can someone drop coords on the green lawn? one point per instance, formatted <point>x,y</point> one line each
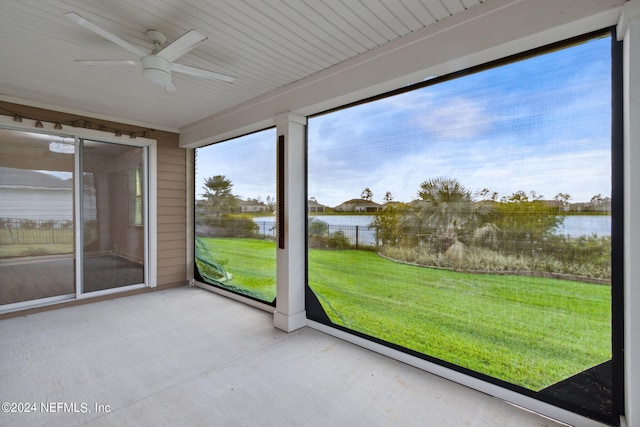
<point>251,262</point>
<point>528,331</point>
<point>12,251</point>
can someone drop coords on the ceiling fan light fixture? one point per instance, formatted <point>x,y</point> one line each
<point>156,69</point>
<point>158,65</point>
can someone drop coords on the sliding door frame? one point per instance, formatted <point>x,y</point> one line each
<point>149,147</point>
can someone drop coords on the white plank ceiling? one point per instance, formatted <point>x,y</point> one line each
<point>264,44</point>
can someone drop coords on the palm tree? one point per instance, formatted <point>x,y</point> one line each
<point>445,210</point>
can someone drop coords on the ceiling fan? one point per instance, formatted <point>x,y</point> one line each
<point>157,65</point>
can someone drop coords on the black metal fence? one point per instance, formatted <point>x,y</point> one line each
<point>343,236</point>
<point>266,229</point>
<point>331,236</point>
<point>16,231</point>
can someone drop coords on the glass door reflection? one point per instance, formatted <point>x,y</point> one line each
<point>113,222</point>
<point>36,216</point>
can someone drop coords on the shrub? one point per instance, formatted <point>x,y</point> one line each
<point>460,257</point>
<point>231,226</point>
<point>337,240</point>
<point>317,232</point>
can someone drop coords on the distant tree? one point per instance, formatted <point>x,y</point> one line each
<point>598,199</point>
<point>563,198</point>
<point>317,233</point>
<point>319,236</point>
<point>220,203</point>
<point>217,192</point>
<point>271,203</point>
<point>367,194</point>
<point>390,229</point>
<point>316,227</point>
<point>524,224</point>
<point>517,197</point>
<point>217,186</point>
<point>486,194</point>
<point>388,197</point>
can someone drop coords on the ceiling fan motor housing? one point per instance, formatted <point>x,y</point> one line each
<point>156,69</point>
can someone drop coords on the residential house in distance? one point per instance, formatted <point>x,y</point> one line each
<point>252,206</point>
<point>601,206</point>
<point>358,205</point>
<point>314,206</point>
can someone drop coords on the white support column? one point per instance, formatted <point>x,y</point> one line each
<point>290,305</point>
<point>629,31</point>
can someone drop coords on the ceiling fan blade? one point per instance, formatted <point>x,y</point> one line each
<point>92,62</point>
<point>199,72</point>
<point>182,45</point>
<point>169,87</point>
<point>104,33</point>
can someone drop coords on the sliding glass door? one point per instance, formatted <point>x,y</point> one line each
<point>72,217</point>
<point>112,215</point>
<point>36,216</point>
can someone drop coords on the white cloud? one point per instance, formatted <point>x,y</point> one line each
<point>456,118</point>
<point>499,165</point>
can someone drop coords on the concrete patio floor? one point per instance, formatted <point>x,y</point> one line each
<point>188,357</point>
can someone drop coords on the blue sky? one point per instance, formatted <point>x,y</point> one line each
<point>541,124</point>
<point>249,162</point>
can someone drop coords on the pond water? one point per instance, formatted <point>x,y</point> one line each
<point>573,225</point>
<point>585,225</point>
